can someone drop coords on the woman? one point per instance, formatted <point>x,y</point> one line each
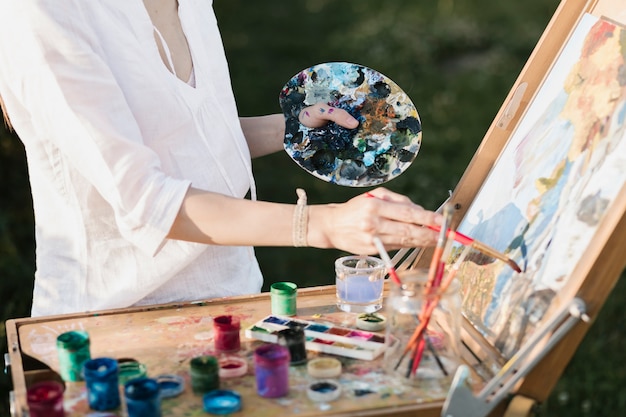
<point>139,164</point>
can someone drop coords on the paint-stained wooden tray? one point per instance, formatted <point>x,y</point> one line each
<point>166,337</point>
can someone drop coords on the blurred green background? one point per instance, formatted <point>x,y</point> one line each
<point>456,59</point>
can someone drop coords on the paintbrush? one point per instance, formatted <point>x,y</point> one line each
<point>479,246</point>
<point>468,241</point>
<point>385,257</point>
<point>437,268</point>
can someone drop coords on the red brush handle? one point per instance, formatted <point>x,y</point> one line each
<point>459,237</point>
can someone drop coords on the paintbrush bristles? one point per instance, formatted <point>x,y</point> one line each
<point>488,250</point>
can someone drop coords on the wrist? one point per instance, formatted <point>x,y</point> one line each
<point>318,225</point>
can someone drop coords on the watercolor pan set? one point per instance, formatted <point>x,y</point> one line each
<point>322,337</point>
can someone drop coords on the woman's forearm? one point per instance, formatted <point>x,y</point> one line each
<point>212,218</point>
<point>217,219</point>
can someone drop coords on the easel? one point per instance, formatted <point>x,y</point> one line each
<point>530,375</point>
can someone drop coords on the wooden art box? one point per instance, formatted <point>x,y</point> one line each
<point>546,187</point>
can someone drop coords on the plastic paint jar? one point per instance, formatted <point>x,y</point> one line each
<point>271,363</point>
<point>226,329</point>
<point>73,350</point>
<point>142,397</point>
<point>170,385</point>
<point>101,380</point>
<point>129,370</point>
<point>45,399</point>
<point>232,367</point>
<point>324,391</point>
<point>324,368</point>
<point>204,372</point>
<point>293,338</point>
<point>283,298</point>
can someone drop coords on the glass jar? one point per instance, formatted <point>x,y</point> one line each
<point>435,355</point>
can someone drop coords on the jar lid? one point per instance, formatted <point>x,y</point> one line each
<point>283,288</point>
<point>372,322</point>
<point>170,385</point>
<point>221,402</point>
<point>324,368</point>
<point>232,367</point>
<point>324,391</point>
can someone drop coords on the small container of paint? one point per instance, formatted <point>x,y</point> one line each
<point>130,369</point>
<point>221,402</point>
<point>232,367</point>
<point>101,380</point>
<point>73,351</point>
<point>226,330</point>
<point>142,398</point>
<point>324,368</point>
<point>324,391</point>
<point>45,399</point>
<point>283,298</point>
<point>170,385</point>
<point>204,372</point>
<point>293,338</point>
<point>271,369</point>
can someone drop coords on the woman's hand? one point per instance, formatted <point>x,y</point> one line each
<point>351,226</point>
<point>319,114</point>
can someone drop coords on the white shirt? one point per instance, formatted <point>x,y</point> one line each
<point>113,141</point>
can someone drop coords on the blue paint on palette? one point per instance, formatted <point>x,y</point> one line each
<point>317,328</point>
<point>275,320</point>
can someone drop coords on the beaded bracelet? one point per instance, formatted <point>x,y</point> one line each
<point>300,220</point>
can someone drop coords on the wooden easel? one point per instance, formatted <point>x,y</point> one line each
<point>597,273</point>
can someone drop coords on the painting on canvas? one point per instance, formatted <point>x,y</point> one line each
<point>550,187</point>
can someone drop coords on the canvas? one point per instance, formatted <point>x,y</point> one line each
<point>550,187</point>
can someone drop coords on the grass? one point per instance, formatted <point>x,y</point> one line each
<point>456,59</point>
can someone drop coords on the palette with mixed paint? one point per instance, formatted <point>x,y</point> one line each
<point>383,145</point>
<point>322,337</point>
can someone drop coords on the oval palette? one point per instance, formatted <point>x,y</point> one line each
<point>382,147</point>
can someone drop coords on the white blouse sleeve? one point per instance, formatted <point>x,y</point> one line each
<point>59,90</point>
